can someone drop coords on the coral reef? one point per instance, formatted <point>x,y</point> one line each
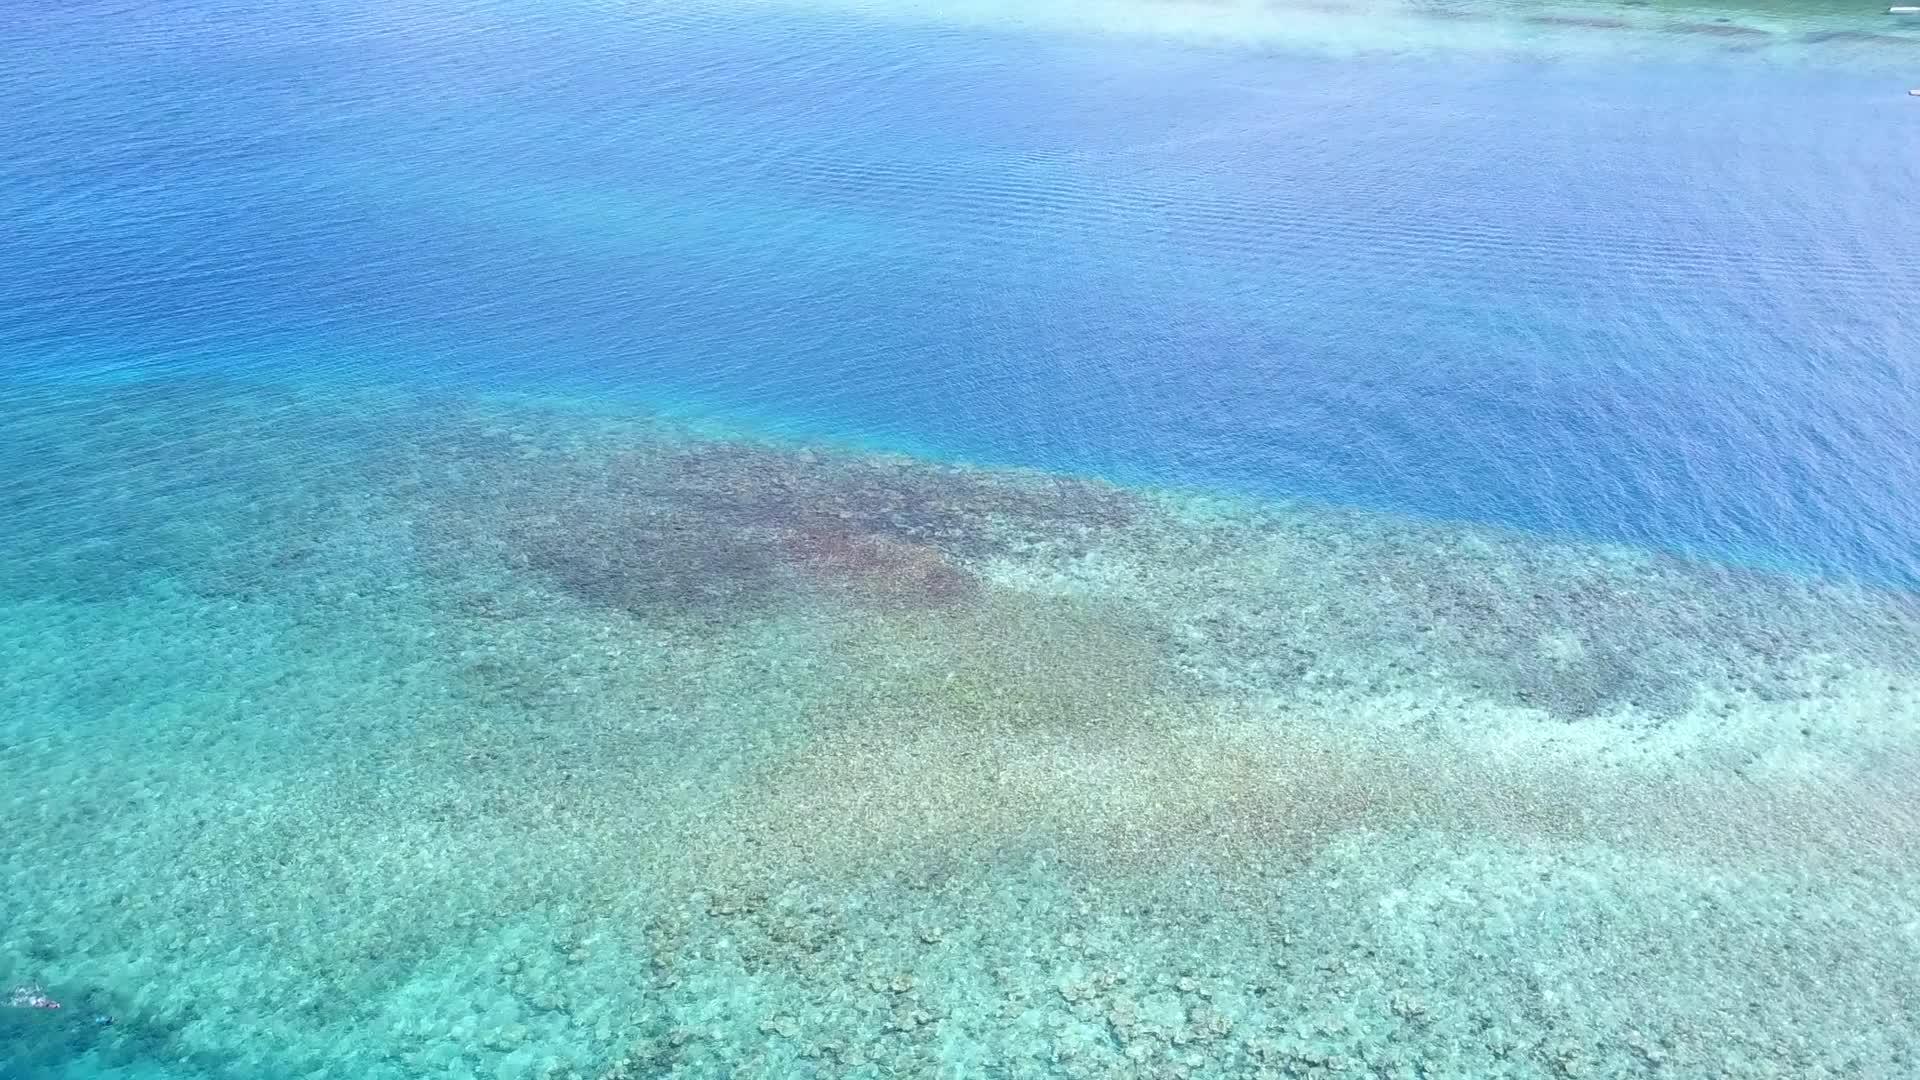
<point>652,563</point>
<point>1314,598</point>
<point>548,745</point>
<point>878,570</point>
<point>723,531</point>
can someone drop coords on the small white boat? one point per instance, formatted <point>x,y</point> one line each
<point>1903,11</point>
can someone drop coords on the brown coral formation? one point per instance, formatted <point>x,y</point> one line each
<point>877,570</point>
<point>644,563</point>
<point>721,531</point>
<point>966,513</point>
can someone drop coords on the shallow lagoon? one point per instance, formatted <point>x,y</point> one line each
<point>508,576</point>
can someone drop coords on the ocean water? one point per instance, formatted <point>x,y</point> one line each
<point>854,538</point>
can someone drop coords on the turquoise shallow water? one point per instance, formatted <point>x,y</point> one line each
<point>877,540</point>
<point>408,736</point>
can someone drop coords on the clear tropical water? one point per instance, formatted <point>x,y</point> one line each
<point>973,539</point>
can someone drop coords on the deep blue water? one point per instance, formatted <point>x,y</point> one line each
<point>1644,296</point>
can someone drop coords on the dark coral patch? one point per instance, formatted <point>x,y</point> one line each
<point>877,570</point>
<point>716,531</point>
<point>645,563</point>
<point>1859,37</point>
<point>1722,29</point>
<point>1588,22</point>
<point>964,512</point>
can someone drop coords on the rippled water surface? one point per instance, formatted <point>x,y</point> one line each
<point>980,540</point>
